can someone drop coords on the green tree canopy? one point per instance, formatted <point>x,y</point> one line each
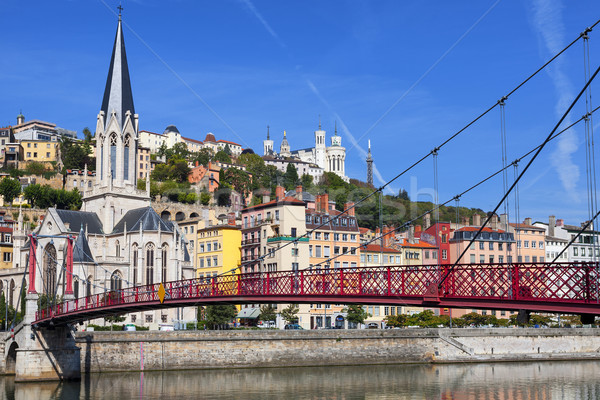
<point>223,157</point>
<point>76,155</point>
<point>267,313</point>
<point>237,179</point>
<point>219,315</point>
<point>290,313</point>
<point>10,189</point>
<point>356,314</point>
<point>290,178</point>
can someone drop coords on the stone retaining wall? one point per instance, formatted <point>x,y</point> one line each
<point>134,351</point>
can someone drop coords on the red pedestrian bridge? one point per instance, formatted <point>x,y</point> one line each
<point>570,288</point>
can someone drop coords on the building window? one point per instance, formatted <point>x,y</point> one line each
<point>472,258</point>
<point>6,256</point>
<point>149,318</point>
<point>526,244</point>
<point>481,246</point>
<point>491,245</point>
<point>164,260</point>
<point>150,263</point>
<point>115,282</point>
<point>444,254</point>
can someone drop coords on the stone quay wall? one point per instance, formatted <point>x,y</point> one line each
<point>154,350</point>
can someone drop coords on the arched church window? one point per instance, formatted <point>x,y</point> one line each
<point>126,147</point>
<point>49,269</point>
<point>338,166</point>
<point>113,155</point>
<point>135,263</point>
<point>88,286</point>
<point>150,263</point>
<point>165,259</point>
<point>116,282</point>
<point>76,288</point>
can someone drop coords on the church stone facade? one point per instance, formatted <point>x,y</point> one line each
<point>120,241</point>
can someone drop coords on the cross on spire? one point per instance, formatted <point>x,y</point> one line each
<point>120,8</point>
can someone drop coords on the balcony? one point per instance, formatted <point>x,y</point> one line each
<point>286,238</point>
<point>250,242</point>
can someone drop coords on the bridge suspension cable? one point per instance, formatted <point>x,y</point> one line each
<point>424,157</point>
<point>538,151</point>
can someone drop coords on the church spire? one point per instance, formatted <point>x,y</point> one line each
<point>118,96</point>
<point>369,166</point>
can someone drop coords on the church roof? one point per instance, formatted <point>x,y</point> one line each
<point>144,217</point>
<point>117,94</point>
<point>81,250</point>
<point>78,220</point>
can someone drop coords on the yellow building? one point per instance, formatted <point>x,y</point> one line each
<point>217,250</point>
<point>39,150</point>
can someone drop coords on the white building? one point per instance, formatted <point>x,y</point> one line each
<point>559,234</point>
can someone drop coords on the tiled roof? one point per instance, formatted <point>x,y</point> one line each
<point>192,140</point>
<point>287,200</point>
<point>376,248</point>
<point>420,245</point>
<point>525,226</point>
<point>78,220</point>
<point>476,228</point>
<point>144,217</point>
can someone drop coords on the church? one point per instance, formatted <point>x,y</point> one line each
<point>317,159</point>
<point>120,241</point>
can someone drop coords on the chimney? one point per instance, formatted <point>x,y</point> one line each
<point>197,163</point>
<point>504,222</point>
<point>325,203</point>
<point>551,225</point>
<point>411,234</point>
<point>527,221</point>
<point>476,219</point>
<point>465,221</point>
<point>279,193</point>
<point>350,207</point>
<point>560,222</point>
<point>427,221</point>
<point>377,235</point>
<point>266,198</point>
<point>231,219</point>
<point>299,192</point>
<point>494,222</point>
<point>418,228</point>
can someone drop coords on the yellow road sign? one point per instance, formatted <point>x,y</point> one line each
<point>161,293</point>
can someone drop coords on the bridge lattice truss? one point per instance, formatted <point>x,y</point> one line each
<point>542,287</point>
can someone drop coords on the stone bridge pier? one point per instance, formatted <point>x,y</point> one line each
<point>41,354</point>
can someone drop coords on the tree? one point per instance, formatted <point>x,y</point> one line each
<point>223,157</point>
<point>219,315</point>
<point>290,178</point>
<point>203,156</point>
<point>75,155</point>
<point>227,150</point>
<point>403,194</point>
<point>237,179</point>
<point>290,314</point>
<point>307,181</point>
<point>357,314</point>
<point>33,193</point>
<point>204,198</point>
<point>395,321</point>
<point>267,313</point>
<point>10,189</point>
<point>87,135</point>
<point>175,169</point>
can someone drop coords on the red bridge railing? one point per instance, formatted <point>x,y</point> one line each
<point>572,283</point>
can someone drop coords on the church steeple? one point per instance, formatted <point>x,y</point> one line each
<point>118,96</point>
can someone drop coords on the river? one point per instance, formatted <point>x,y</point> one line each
<point>514,381</point>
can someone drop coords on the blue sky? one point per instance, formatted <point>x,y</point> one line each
<point>404,74</point>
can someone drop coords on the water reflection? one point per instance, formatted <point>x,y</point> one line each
<point>514,381</point>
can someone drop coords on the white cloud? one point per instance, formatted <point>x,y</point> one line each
<point>547,21</point>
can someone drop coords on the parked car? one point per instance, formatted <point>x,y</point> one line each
<point>166,328</point>
<point>129,327</point>
<point>372,325</point>
<point>266,324</point>
<point>293,326</point>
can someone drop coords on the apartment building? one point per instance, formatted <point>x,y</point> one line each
<point>270,226</point>
<point>39,150</point>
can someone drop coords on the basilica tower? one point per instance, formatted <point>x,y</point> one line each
<point>320,148</point>
<point>336,157</point>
